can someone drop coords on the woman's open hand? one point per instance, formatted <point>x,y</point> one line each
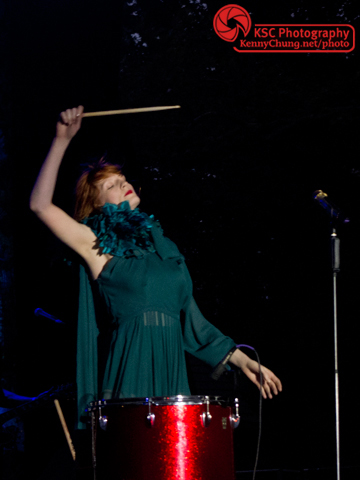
<point>271,384</point>
<point>69,123</point>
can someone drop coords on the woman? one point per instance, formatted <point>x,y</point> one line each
<point>143,281</point>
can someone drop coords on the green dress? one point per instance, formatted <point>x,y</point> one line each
<point>147,292</point>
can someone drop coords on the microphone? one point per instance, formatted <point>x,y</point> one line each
<point>221,367</point>
<point>333,210</point>
<point>39,312</point>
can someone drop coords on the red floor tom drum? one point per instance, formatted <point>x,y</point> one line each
<point>163,438</point>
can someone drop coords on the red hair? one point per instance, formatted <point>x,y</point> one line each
<point>87,190</point>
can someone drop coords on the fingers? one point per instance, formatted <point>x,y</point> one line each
<point>266,389</point>
<point>278,383</point>
<point>268,383</point>
<point>271,384</point>
<point>72,116</point>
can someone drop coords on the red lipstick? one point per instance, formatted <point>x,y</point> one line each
<point>128,192</point>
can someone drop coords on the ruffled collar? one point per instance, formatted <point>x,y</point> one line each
<point>122,231</point>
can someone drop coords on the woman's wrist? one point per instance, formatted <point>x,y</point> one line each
<point>239,359</point>
<point>61,141</point>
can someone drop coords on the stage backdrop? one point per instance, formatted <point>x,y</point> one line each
<point>231,177</point>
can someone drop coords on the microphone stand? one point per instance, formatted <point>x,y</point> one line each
<point>336,215</point>
<point>335,258</point>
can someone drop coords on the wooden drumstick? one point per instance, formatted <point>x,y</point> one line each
<point>66,431</point>
<point>128,110</point>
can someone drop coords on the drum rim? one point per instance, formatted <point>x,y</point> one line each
<point>171,400</point>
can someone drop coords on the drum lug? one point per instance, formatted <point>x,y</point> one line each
<point>103,419</point>
<point>103,422</point>
<point>206,416</point>
<point>150,416</point>
<point>151,419</point>
<point>235,417</point>
<point>206,419</point>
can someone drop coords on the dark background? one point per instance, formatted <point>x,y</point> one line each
<point>231,177</point>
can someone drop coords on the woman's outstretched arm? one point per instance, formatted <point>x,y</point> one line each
<point>75,235</point>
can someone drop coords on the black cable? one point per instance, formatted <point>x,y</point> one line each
<point>260,406</point>
<point>219,370</point>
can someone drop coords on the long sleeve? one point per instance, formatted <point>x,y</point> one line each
<point>201,338</point>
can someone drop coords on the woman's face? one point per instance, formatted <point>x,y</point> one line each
<point>115,189</point>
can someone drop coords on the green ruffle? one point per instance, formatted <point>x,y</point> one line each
<point>122,231</point>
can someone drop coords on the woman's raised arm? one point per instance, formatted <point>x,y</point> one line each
<point>75,235</point>
<point>68,125</point>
